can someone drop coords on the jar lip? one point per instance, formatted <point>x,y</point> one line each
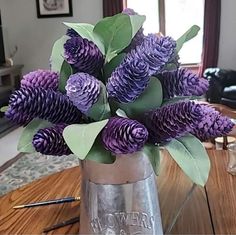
<point>230,139</point>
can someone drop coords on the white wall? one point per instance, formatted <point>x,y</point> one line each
<point>227,50</point>
<point>35,37</point>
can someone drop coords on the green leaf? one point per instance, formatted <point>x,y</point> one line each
<point>191,156</point>
<point>112,65</point>
<point>57,56</point>
<point>86,31</point>
<point>101,109</point>
<point>99,154</point>
<point>150,99</point>
<point>81,137</point>
<point>153,154</point>
<point>121,113</point>
<point>65,73</point>
<point>115,33</point>
<point>136,22</point>
<point>4,109</point>
<point>25,142</point>
<point>188,35</point>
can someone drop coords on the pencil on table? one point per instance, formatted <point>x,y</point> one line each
<point>49,202</point>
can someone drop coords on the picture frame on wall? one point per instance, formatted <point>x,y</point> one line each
<point>54,8</point>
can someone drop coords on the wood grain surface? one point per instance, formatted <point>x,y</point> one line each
<point>221,191</point>
<point>173,188</point>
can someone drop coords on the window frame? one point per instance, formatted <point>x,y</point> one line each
<point>162,27</point>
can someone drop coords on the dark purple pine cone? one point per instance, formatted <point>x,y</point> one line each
<point>72,33</point>
<point>128,81</point>
<point>83,90</point>
<point>49,141</point>
<point>212,125</point>
<point>123,135</point>
<point>131,77</point>
<point>183,83</point>
<point>84,55</point>
<point>172,121</point>
<point>139,36</point>
<point>29,103</point>
<point>41,78</point>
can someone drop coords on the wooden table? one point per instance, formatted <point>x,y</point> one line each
<point>209,210</point>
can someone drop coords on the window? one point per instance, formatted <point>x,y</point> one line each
<point>174,17</point>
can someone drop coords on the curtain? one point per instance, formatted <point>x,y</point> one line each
<point>112,7</point>
<point>211,34</point>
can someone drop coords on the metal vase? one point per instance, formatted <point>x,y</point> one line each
<point>120,198</point>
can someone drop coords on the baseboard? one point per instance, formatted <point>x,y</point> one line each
<point>10,162</point>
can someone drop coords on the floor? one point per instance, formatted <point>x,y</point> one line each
<point>8,145</point>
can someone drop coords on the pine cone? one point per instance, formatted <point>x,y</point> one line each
<point>128,81</point>
<point>49,141</point>
<point>212,125</point>
<point>131,77</point>
<point>123,135</point>
<point>83,90</point>
<point>41,78</point>
<point>183,83</point>
<point>84,55</point>
<point>72,33</point>
<point>172,121</point>
<point>29,103</point>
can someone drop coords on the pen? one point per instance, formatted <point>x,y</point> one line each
<point>49,202</point>
<point>61,224</point>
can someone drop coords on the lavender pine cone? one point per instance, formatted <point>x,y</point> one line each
<point>212,125</point>
<point>131,77</point>
<point>84,55</point>
<point>172,121</point>
<point>29,103</point>
<point>156,51</point>
<point>183,83</point>
<point>41,78</point>
<point>49,141</point>
<point>124,136</point>
<point>128,81</point>
<point>83,90</point>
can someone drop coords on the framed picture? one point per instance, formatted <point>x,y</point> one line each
<point>54,8</point>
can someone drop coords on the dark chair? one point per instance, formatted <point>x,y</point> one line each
<point>222,89</point>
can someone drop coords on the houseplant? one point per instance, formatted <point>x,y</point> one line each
<point>113,97</point>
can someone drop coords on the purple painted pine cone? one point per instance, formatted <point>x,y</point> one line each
<point>49,141</point>
<point>72,33</point>
<point>83,90</point>
<point>41,78</point>
<point>156,51</point>
<point>131,77</point>
<point>172,121</point>
<point>183,83</point>
<point>84,55</point>
<point>29,103</point>
<point>123,135</point>
<point>212,125</point>
<point>139,36</point>
<point>128,81</point>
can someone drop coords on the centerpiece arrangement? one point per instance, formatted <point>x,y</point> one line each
<point>114,97</point>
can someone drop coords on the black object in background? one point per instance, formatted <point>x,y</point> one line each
<point>2,52</point>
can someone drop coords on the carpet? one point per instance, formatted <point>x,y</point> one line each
<point>31,167</point>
